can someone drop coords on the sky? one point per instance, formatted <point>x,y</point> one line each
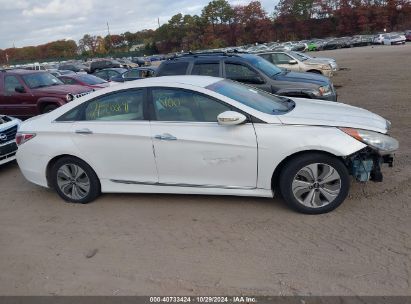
<point>34,22</point>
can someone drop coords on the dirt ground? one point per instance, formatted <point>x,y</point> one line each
<point>209,245</point>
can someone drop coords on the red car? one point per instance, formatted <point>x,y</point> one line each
<point>25,93</point>
<point>86,80</point>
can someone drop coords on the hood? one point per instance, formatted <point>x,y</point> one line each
<point>100,85</point>
<point>62,89</point>
<point>333,114</point>
<point>6,122</point>
<point>302,77</point>
<point>316,61</point>
<point>324,59</point>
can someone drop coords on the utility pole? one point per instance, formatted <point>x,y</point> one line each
<point>158,22</point>
<point>109,35</point>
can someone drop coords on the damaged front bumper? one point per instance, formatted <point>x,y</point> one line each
<point>365,165</point>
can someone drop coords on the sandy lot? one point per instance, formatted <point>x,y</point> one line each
<point>186,245</point>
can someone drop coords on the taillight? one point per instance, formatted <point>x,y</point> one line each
<point>21,138</point>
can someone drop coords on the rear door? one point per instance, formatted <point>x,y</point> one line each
<point>114,137</point>
<point>192,149</point>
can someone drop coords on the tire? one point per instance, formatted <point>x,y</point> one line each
<point>49,108</point>
<point>314,196</point>
<point>74,180</point>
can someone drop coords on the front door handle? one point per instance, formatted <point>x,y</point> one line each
<point>165,136</point>
<point>84,131</point>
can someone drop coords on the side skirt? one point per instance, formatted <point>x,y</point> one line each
<point>117,186</point>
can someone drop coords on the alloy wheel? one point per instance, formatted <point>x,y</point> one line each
<point>73,181</point>
<point>316,185</point>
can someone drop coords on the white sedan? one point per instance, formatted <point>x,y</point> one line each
<point>204,135</point>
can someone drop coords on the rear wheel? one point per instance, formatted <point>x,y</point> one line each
<point>74,180</point>
<point>314,183</point>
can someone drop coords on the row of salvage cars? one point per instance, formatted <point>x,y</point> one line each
<point>200,134</point>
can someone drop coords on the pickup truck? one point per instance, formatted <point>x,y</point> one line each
<point>25,93</point>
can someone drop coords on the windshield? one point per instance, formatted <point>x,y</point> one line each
<point>252,97</point>
<point>90,79</point>
<point>263,65</point>
<point>40,80</point>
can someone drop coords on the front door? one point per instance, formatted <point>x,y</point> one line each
<point>15,103</point>
<point>283,60</point>
<point>192,149</point>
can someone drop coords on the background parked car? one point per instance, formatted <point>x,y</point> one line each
<point>8,130</point>
<point>135,74</point>
<point>100,64</point>
<point>253,70</point>
<point>392,39</point>
<point>378,39</point>
<point>107,74</point>
<point>127,64</point>
<point>361,40</point>
<point>26,93</point>
<point>294,62</point>
<point>86,80</point>
<point>58,73</point>
<point>338,43</point>
<point>75,67</point>
<point>330,61</point>
<point>408,35</point>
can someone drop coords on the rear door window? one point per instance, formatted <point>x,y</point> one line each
<point>206,69</point>
<point>173,68</point>
<point>120,106</point>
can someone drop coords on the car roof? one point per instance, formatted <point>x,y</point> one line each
<point>113,69</point>
<point>193,80</point>
<point>23,71</point>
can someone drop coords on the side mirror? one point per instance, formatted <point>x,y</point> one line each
<point>292,62</point>
<point>20,89</point>
<point>231,118</point>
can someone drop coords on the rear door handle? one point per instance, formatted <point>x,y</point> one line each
<point>84,131</point>
<point>165,136</point>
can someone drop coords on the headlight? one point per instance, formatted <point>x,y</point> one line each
<point>388,124</point>
<point>323,91</point>
<point>69,97</point>
<point>384,144</point>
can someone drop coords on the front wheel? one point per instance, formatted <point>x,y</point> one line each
<point>74,180</point>
<point>314,183</point>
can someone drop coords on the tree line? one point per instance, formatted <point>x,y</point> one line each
<point>221,24</point>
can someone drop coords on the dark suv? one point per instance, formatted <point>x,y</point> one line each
<point>100,64</point>
<point>253,70</point>
<point>26,93</point>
